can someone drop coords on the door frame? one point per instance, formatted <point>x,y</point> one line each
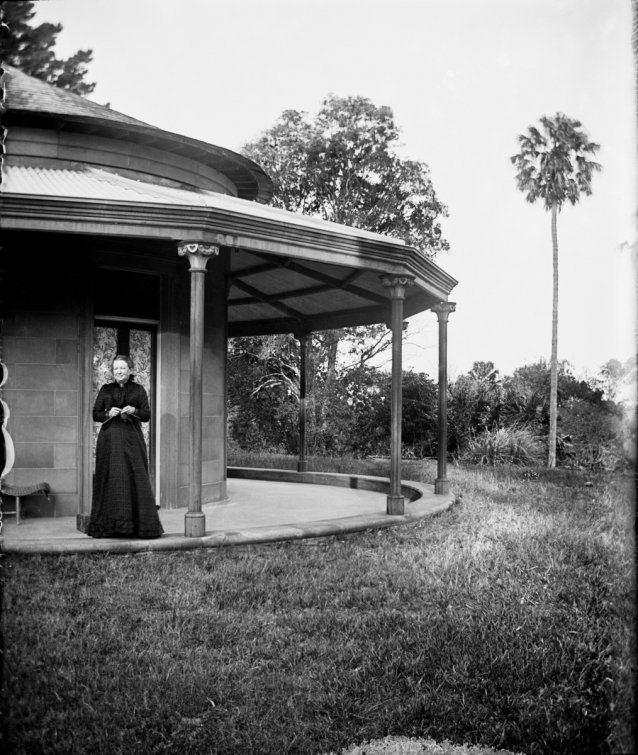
<point>151,326</point>
<point>91,270</point>
<point>85,451</point>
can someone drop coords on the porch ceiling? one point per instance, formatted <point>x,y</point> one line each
<point>287,272</point>
<point>273,294</point>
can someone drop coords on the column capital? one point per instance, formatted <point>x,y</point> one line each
<point>397,284</point>
<point>443,309</point>
<point>197,253</point>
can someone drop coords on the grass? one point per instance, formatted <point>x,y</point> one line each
<point>507,622</point>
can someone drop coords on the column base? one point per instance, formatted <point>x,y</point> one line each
<point>441,486</point>
<point>194,524</point>
<point>82,522</point>
<point>395,505</point>
<point>302,466</point>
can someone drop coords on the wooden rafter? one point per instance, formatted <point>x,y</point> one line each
<point>248,272</point>
<point>345,284</point>
<point>295,293</point>
<point>267,300</point>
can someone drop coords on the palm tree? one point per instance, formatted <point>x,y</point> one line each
<point>553,166</point>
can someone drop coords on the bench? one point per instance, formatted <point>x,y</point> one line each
<point>23,491</point>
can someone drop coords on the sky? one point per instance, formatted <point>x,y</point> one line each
<point>463,78</point>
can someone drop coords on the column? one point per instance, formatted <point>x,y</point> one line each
<point>442,310</point>
<point>305,341</point>
<point>198,255</point>
<point>396,285</point>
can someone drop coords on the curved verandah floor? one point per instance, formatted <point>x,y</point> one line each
<point>257,511</point>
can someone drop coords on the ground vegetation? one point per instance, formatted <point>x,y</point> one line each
<point>507,622</point>
<point>492,418</point>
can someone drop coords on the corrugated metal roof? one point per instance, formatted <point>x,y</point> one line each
<point>89,183</point>
<point>98,184</point>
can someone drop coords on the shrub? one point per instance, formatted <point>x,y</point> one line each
<point>506,445</point>
<point>597,434</point>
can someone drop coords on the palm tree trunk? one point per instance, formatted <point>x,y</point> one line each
<point>553,384</point>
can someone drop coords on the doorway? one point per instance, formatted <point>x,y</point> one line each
<point>127,305</point>
<point>138,341</point>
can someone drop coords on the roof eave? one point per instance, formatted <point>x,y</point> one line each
<point>223,228</point>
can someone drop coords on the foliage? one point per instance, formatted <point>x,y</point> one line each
<point>340,379</point>
<point>597,435</point>
<point>370,404</point>
<point>591,431</point>
<point>507,445</point>
<point>30,48</point>
<point>349,406</point>
<point>474,404</point>
<point>526,394</point>
<point>536,377</point>
<point>490,417</point>
<point>263,392</point>
<point>419,413</point>
<point>553,163</point>
<point>516,607</point>
<point>343,166</point>
<point>618,380</point>
<point>553,166</point>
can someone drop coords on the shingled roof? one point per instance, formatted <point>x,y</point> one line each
<point>28,94</point>
<point>34,103</point>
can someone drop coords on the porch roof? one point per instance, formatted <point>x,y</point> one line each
<point>288,272</point>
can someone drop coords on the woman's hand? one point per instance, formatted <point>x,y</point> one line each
<point>114,412</point>
<point>128,410</point>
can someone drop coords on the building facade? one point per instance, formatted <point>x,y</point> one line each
<point>118,237</point>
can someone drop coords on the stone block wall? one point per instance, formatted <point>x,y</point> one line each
<point>43,287</point>
<point>41,352</point>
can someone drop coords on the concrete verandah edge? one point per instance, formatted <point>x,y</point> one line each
<point>425,505</point>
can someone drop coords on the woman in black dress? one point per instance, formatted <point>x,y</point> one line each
<point>123,501</point>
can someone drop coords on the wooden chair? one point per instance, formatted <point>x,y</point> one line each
<point>18,492</point>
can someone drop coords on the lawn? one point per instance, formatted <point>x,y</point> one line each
<point>506,622</point>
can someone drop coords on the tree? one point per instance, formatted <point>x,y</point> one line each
<point>612,375</point>
<point>537,378</point>
<point>263,387</point>
<point>553,165</point>
<point>30,48</point>
<point>263,393</point>
<point>343,166</point>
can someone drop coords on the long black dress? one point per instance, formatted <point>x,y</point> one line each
<point>123,501</point>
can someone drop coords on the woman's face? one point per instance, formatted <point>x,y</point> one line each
<point>121,371</point>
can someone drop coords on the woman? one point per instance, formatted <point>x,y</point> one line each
<point>123,501</point>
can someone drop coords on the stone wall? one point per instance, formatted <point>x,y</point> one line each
<point>41,348</point>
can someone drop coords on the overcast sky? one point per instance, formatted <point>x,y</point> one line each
<point>463,78</point>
